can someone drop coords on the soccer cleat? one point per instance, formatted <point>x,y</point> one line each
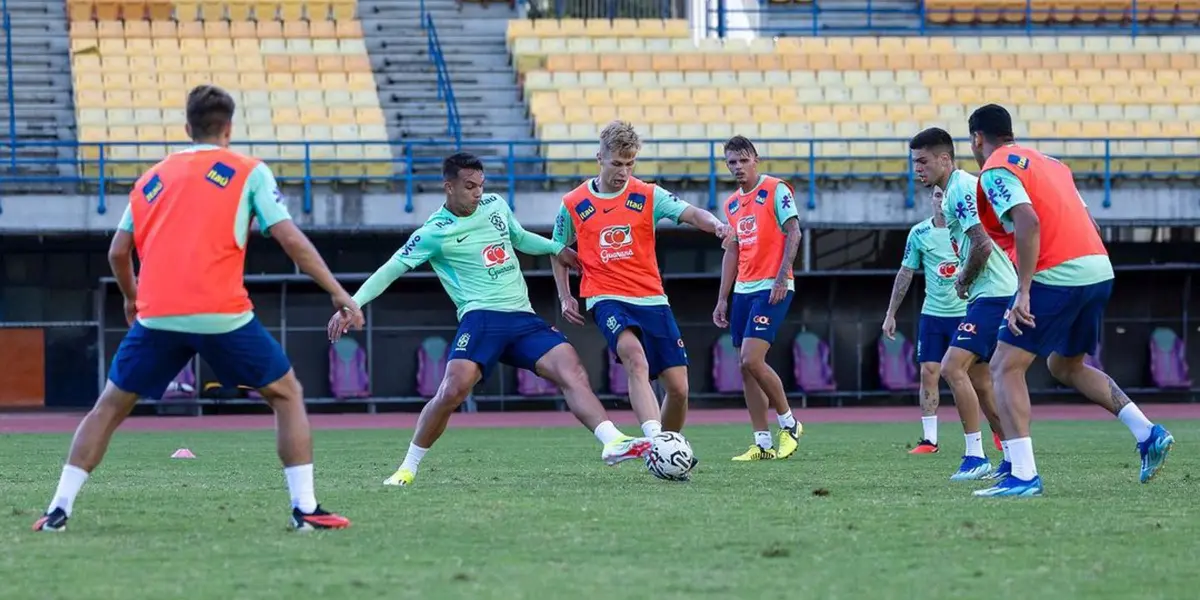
<point>756,452</point>
<point>997,441</point>
<point>1004,469</point>
<point>1154,452</point>
<point>925,447</point>
<point>1011,486</point>
<point>789,440</point>
<point>623,449</point>
<point>318,519</point>
<point>972,468</point>
<point>402,476</point>
<point>55,520</point>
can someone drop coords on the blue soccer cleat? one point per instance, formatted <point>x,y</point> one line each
<point>1004,469</point>
<point>972,468</point>
<point>1154,451</point>
<point>1012,486</point>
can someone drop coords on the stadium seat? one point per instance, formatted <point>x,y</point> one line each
<point>348,376</point>
<point>578,75</point>
<point>727,366</point>
<point>530,384</point>
<point>431,365</point>
<point>618,379</point>
<point>897,367</point>
<point>1168,360</point>
<point>277,58</point>
<point>812,364</point>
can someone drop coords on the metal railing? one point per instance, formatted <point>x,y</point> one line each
<point>8,67</point>
<point>606,9</point>
<point>1033,18</point>
<point>445,89</point>
<point>523,165</point>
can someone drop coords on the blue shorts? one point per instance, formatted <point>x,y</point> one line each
<point>1068,319</point>
<point>753,316</point>
<point>519,339</point>
<point>654,325</point>
<point>149,359</point>
<point>933,337</point>
<point>978,330</point>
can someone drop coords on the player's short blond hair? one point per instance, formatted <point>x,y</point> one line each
<point>619,138</point>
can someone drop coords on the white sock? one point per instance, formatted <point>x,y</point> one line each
<point>1004,445</point>
<point>929,424</point>
<point>69,483</point>
<point>412,460</point>
<point>786,420</point>
<point>763,439</point>
<point>1023,466</point>
<point>605,432</point>
<point>975,444</point>
<point>651,428</point>
<point>300,485</point>
<point>1137,423</point>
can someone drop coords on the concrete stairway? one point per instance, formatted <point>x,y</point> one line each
<point>42,101</point>
<point>472,42</point>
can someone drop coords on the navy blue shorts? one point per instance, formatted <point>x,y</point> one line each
<point>1068,319</point>
<point>654,325</point>
<point>933,337</point>
<point>753,316</point>
<point>515,338</point>
<point>148,359</point>
<point>978,330</point>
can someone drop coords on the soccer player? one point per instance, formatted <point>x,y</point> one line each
<point>760,259</point>
<point>986,279</point>
<point>928,248</point>
<point>469,242</point>
<point>188,219</point>
<point>613,218</point>
<point>1064,279</point>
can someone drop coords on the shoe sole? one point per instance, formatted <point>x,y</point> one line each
<point>638,450</point>
<point>969,476</point>
<point>1161,465</point>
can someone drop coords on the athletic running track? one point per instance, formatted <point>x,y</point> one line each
<point>66,422</point>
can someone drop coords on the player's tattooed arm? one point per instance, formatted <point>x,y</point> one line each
<point>791,245</point>
<point>904,279</point>
<point>977,258</point>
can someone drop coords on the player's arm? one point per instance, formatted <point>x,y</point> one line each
<point>908,266</point>
<point>981,243</point>
<point>669,206</point>
<point>564,234</point>
<point>420,247</point>
<point>1012,203</point>
<point>527,241</point>
<point>120,259</point>
<point>789,222</point>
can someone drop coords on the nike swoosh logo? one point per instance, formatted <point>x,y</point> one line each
<point>459,240</point>
<point>760,328</point>
<point>608,210</point>
<point>962,339</point>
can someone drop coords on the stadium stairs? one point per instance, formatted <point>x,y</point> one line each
<point>42,94</point>
<point>472,38</point>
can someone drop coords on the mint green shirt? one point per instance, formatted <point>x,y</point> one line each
<point>928,248</point>
<point>998,277</point>
<point>472,256</point>
<point>666,206</point>
<point>261,199</point>
<point>785,209</point>
<point>1004,190</point>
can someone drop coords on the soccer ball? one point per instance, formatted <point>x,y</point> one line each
<point>670,457</point>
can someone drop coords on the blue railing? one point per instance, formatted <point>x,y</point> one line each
<point>615,9</point>
<point>519,165</point>
<point>445,89</point>
<point>925,18</point>
<point>8,66</point>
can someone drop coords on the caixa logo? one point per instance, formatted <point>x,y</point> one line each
<point>947,269</point>
<point>494,255</point>
<point>616,243</point>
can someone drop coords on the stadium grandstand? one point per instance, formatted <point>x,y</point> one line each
<point>353,103</point>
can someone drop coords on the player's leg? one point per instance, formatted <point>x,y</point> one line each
<point>981,380</point>
<point>667,361</point>
<point>621,330</point>
<point>757,403</point>
<point>143,366</point>
<point>1067,365</point>
<point>765,320</point>
<point>250,356</point>
<point>956,368</point>
<point>933,339</point>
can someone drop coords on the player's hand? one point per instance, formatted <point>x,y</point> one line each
<point>348,315</point>
<point>720,314</point>
<point>130,311</point>
<point>569,259</point>
<point>723,231</point>
<point>1020,314</point>
<point>570,311</point>
<point>778,291</point>
<point>889,327</point>
<point>961,288</point>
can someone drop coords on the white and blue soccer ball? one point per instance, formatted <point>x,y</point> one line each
<point>670,457</point>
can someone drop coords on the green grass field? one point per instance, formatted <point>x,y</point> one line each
<point>512,513</point>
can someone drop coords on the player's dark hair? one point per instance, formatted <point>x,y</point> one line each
<point>462,161</point>
<point>993,121</point>
<point>934,139</point>
<point>739,144</point>
<point>209,110</point>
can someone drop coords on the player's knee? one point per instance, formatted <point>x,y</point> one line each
<point>452,393</point>
<point>751,363</point>
<point>573,377</point>
<point>930,373</point>
<point>677,387</point>
<point>287,389</point>
<point>636,365</point>
<point>1063,369</point>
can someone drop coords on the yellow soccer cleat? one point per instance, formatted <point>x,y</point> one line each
<point>400,477</point>
<point>756,452</point>
<point>789,440</point>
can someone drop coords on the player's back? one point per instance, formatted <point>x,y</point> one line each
<point>1067,232</point>
<point>190,226</point>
